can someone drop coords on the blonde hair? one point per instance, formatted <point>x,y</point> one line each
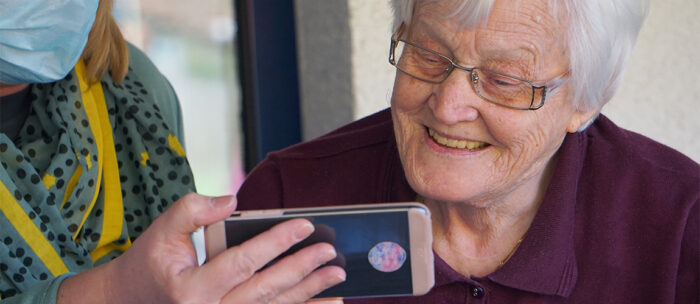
<point>106,48</point>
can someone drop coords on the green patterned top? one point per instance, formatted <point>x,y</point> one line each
<point>52,178</point>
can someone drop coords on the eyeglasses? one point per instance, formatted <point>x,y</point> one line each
<point>495,87</point>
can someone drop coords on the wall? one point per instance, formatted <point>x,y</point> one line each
<point>660,95</point>
<point>324,51</point>
<point>658,98</point>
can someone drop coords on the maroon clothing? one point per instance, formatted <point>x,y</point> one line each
<point>619,223</point>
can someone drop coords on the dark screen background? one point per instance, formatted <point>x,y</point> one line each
<point>353,235</point>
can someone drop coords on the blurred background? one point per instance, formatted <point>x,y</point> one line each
<point>192,44</point>
<point>257,75</point>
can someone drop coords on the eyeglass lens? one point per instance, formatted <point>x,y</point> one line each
<point>497,88</point>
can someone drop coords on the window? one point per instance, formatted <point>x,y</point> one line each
<point>192,44</point>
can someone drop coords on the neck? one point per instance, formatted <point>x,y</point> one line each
<point>9,89</point>
<point>476,240</point>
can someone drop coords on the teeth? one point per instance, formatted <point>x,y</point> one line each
<point>455,143</point>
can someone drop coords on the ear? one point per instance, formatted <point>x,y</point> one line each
<point>581,119</point>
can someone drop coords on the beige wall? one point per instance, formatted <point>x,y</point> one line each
<point>660,96</point>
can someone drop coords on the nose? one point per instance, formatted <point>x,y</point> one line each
<point>454,100</point>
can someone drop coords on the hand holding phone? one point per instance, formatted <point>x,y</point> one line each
<point>385,249</point>
<point>160,266</point>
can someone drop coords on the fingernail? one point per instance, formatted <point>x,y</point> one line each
<point>327,256</point>
<point>222,202</point>
<point>341,277</point>
<point>303,231</point>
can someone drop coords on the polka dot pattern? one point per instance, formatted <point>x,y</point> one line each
<point>51,169</point>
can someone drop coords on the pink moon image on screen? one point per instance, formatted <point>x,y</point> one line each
<point>387,256</point>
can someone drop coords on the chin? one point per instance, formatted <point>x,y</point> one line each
<point>446,186</point>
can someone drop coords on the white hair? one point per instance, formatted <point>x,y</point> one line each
<point>600,36</point>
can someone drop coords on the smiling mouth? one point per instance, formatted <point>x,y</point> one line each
<point>456,143</point>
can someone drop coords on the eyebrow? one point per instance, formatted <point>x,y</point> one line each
<point>525,57</point>
<point>522,58</point>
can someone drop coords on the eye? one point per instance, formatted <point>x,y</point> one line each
<point>501,87</point>
<point>422,63</point>
<point>502,80</point>
<point>430,58</point>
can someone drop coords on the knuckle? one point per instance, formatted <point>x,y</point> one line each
<point>306,293</point>
<point>297,296</point>
<point>301,274</point>
<point>276,301</point>
<point>283,299</point>
<point>304,269</point>
<point>265,293</point>
<point>189,201</point>
<point>175,294</point>
<point>191,196</point>
<point>244,263</point>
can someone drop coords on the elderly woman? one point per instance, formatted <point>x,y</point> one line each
<point>494,124</point>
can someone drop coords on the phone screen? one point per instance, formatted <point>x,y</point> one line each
<point>373,248</point>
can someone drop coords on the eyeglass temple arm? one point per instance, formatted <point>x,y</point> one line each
<point>548,89</point>
<point>399,31</point>
<point>394,42</point>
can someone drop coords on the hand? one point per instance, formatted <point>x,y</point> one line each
<point>161,265</point>
<point>325,301</point>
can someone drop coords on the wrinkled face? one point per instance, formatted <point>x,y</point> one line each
<point>457,147</point>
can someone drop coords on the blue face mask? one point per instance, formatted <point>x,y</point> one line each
<point>42,40</point>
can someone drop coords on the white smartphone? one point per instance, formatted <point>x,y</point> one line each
<point>385,249</point>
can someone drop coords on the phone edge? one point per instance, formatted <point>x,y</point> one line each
<point>422,261</point>
<point>198,243</point>
<point>215,238</point>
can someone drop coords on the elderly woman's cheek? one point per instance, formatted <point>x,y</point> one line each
<point>410,140</point>
<point>409,94</point>
<point>407,137</point>
<point>524,157</point>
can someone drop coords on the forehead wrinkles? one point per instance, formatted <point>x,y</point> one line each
<point>518,31</point>
<point>523,28</point>
<point>434,14</point>
<point>521,18</point>
<point>525,21</point>
<point>436,22</point>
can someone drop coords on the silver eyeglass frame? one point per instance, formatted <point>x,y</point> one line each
<point>548,89</point>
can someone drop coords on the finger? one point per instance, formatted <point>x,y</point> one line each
<point>312,285</point>
<point>194,210</point>
<point>237,264</point>
<point>325,301</point>
<point>284,274</point>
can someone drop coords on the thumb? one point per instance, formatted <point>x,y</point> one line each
<point>194,210</point>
